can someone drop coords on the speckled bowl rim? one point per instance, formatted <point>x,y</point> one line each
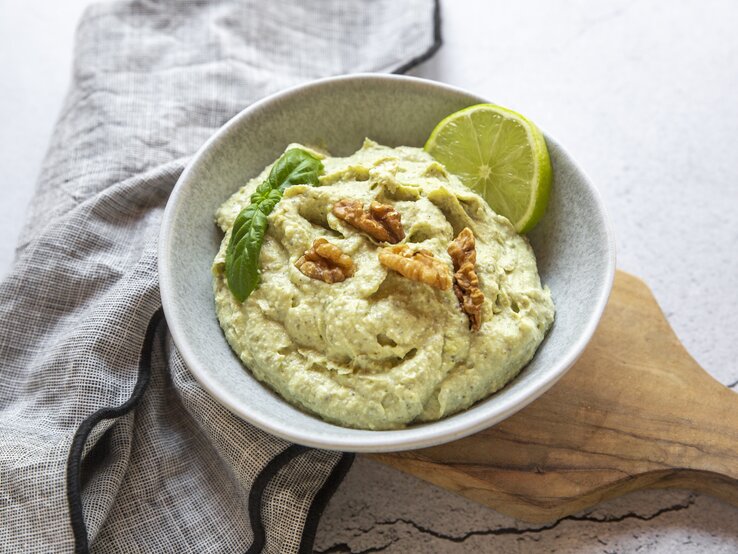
<point>463,424</point>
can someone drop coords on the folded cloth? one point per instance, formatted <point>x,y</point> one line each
<point>106,441</point>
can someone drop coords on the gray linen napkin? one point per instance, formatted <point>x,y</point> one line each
<point>106,441</point>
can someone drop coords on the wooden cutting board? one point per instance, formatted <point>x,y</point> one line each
<point>636,411</point>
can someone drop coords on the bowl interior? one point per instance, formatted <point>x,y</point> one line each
<point>572,244</point>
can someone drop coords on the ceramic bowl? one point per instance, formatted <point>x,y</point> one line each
<point>573,244</point>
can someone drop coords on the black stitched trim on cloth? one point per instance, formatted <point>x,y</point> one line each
<point>437,42</point>
<point>257,491</point>
<point>74,461</point>
<point>321,501</point>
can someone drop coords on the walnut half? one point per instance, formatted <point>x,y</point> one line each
<point>381,222</point>
<point>466,283</point>
<point>325,262</point>
<point>421,266</point>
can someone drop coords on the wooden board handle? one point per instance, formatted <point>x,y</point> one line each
<point>635,411</point>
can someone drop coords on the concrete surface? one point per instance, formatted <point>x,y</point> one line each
<point>644,95</point>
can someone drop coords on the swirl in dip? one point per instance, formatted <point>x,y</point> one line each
<point>378,350</point>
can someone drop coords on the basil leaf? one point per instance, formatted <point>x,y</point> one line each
<point>296,166</point>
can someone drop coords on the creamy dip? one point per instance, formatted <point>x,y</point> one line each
<point>379,351</point>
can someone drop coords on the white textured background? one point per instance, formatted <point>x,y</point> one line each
<point>645,96</point>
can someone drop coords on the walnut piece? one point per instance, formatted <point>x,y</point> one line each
<point>325,262</point>
<point>382,222</point>
<point>466,283</point>
<point>420,266</point>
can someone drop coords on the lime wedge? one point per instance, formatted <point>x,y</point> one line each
<point>499,154</point>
